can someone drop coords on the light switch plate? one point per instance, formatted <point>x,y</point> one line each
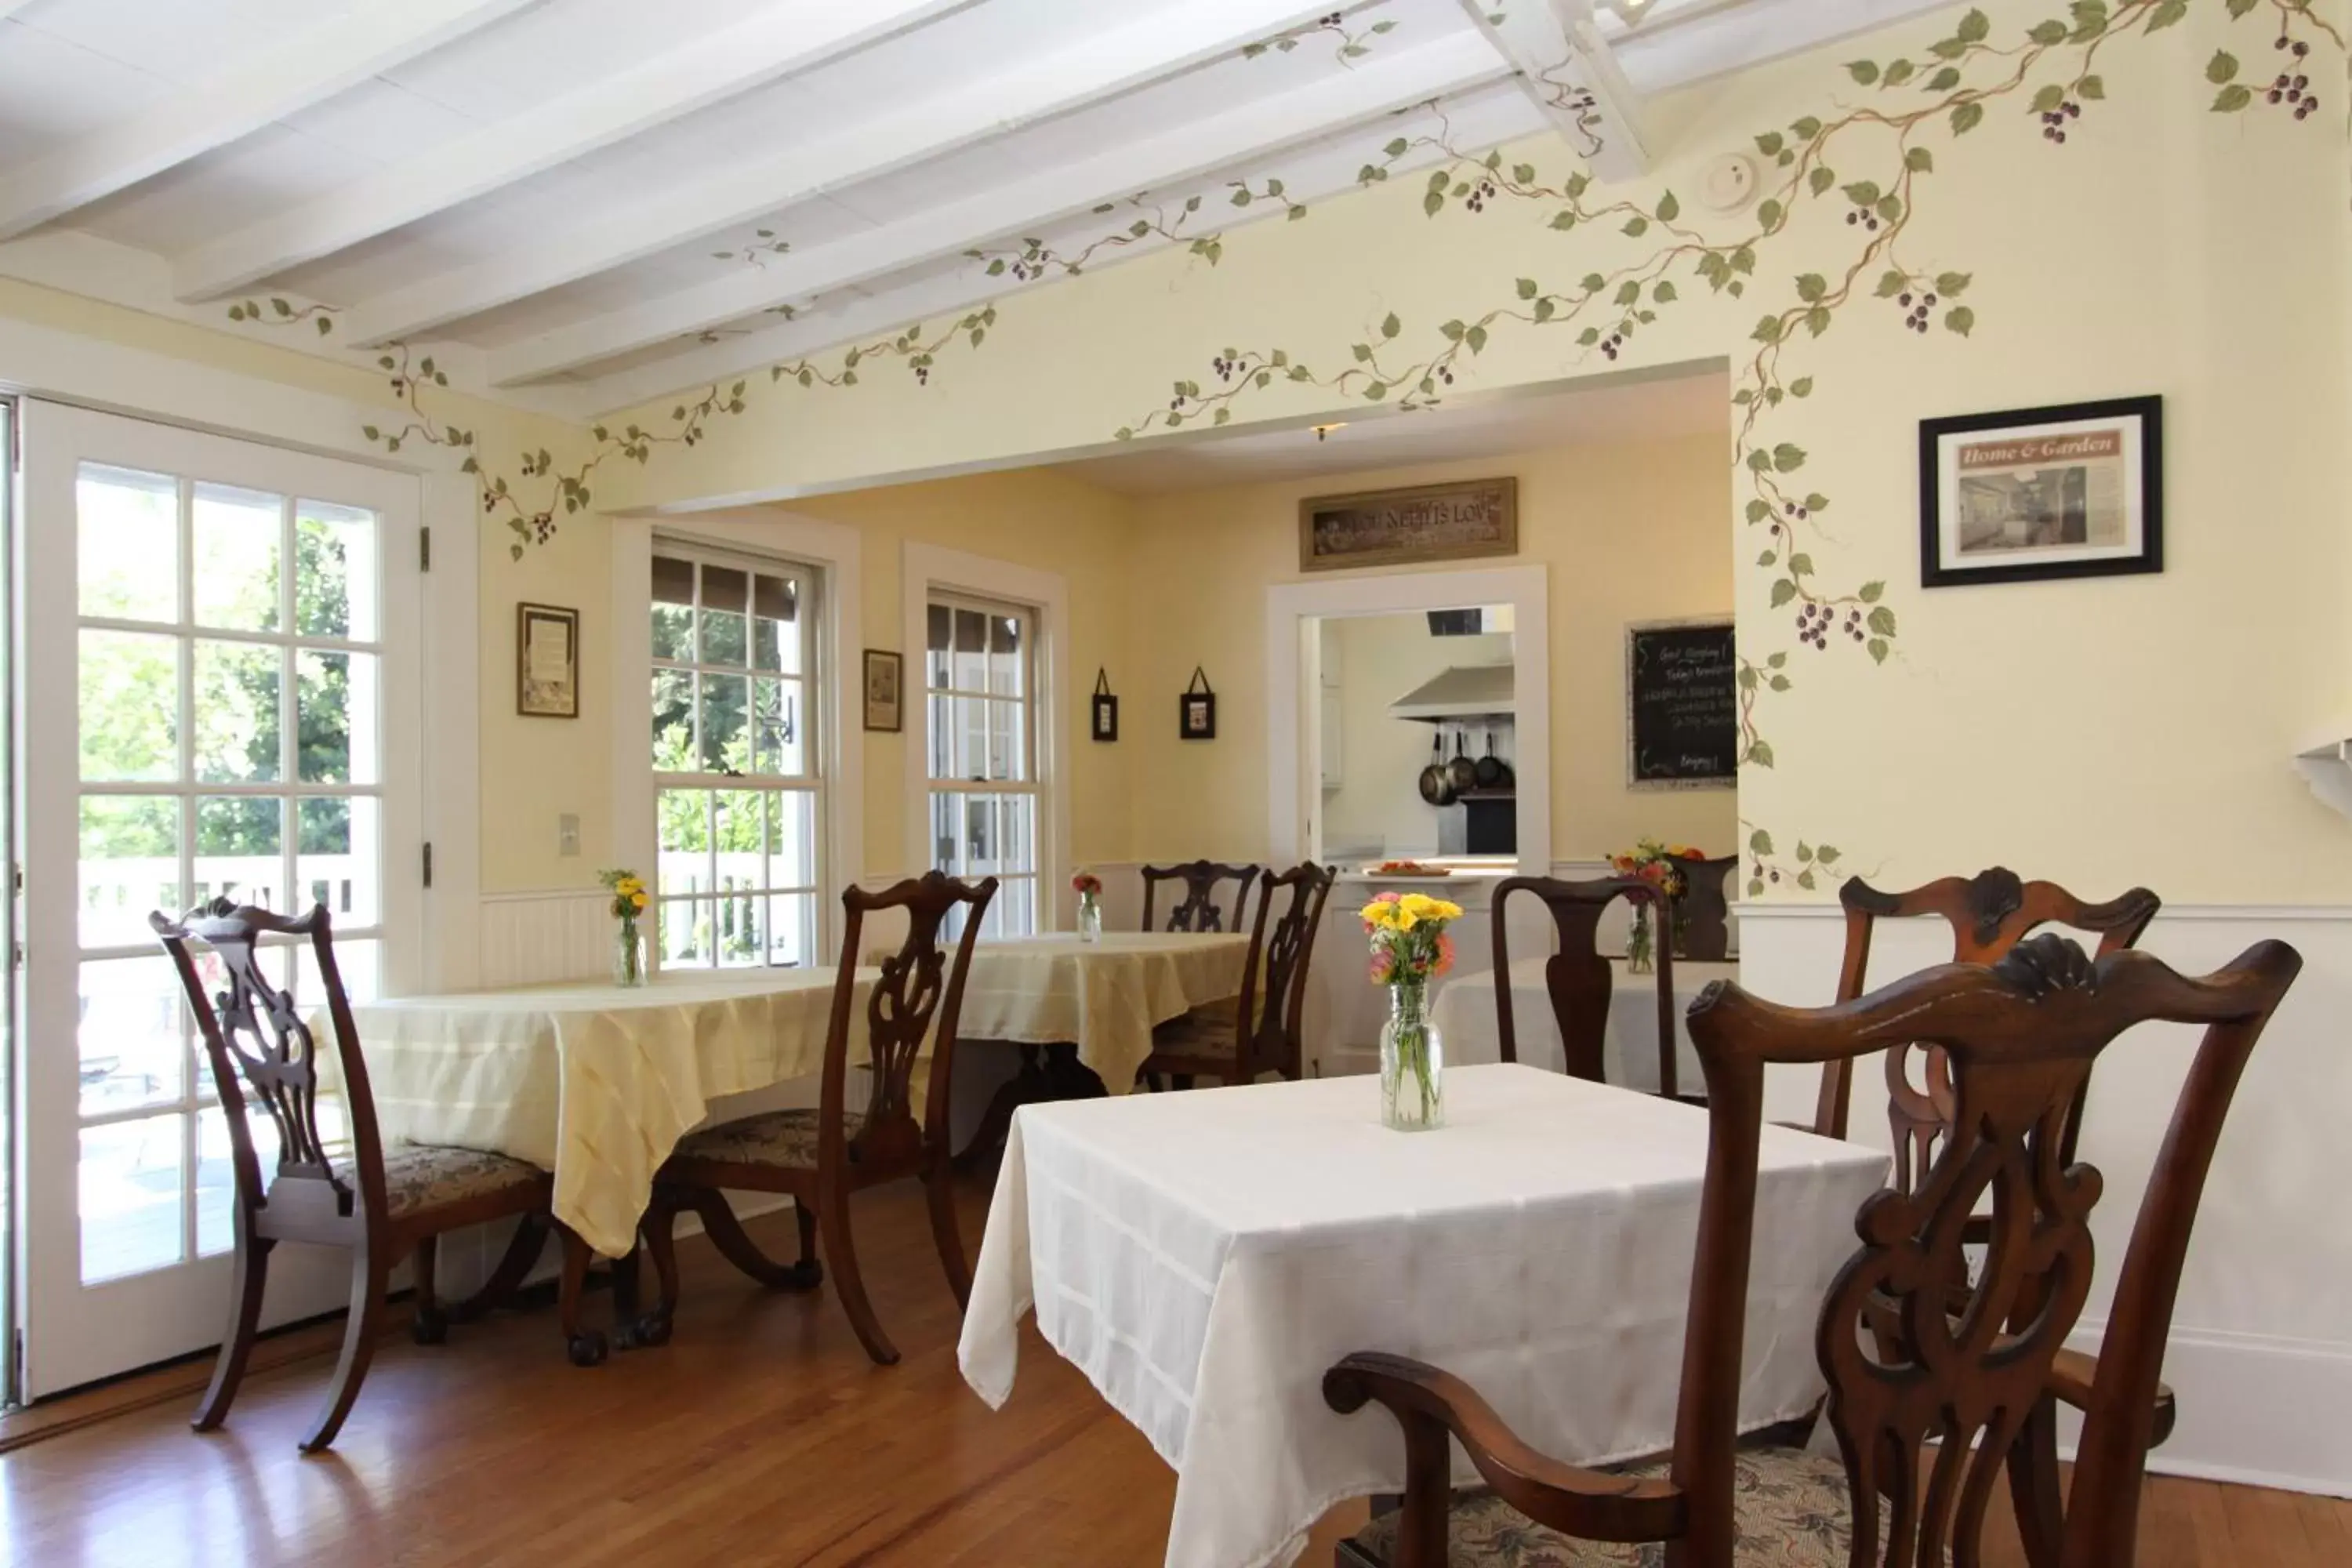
<point>567,833</point>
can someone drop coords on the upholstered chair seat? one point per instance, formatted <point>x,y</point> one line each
<point>783,1139</point>
<point>420,1176</point>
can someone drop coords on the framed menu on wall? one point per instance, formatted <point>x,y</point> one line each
<point>1682,706</point>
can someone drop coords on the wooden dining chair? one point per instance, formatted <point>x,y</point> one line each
<point>820,1157</point>
<point>1701,921</point>
<point>1260,1030</point>
<point>1903,1362</point>
<point>384,1205</point>
<point>1197,910</point>
<point>1578,977</point>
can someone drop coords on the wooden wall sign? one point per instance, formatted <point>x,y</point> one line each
<point>1106,709</point>
<point>1682,706</point>
<point>1196,709</point>
<point>1428,522</point>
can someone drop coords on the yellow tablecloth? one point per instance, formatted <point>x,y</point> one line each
<point>593,1082</point>
<point>1101,996</point>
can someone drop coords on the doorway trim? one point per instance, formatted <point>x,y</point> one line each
<point>1290,605</point>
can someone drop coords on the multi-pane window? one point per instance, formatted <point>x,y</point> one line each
<point>980,687</point>
<point>230,681</point>
<point>737,789</point>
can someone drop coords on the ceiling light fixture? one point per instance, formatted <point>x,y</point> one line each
<point>1630,11</point>
<point>1322,431</point>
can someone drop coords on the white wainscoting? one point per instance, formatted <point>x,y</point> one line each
<point>535,939</point>
<point>2260,1353</point>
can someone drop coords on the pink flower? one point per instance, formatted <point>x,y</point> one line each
<point>1444,953</point>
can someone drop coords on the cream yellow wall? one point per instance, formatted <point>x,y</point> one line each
<point>1627,531</point>
<point>531,768</point>
<point>1046,520</point>
<point>2105,732</point>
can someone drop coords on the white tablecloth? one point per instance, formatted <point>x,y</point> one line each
<point>1101,996</point>
<point>1465,1016</point>
<point>593,1082</point>
<point>1204,1256</point>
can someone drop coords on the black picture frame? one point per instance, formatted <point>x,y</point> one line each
<point>547,661</point>
<point>1103,725</point>
<point>1196,709</point>
<point>2138,421</point>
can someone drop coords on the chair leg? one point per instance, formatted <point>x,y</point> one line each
<point>369,1273</point>
<point>841,1251</point>
<point>429,1325</point>
<point>938,1186</point>
<point>805,1220</point>
<point>660,1243</point>
<point>726,1234</point>
<point>587,1347</point>
<point>521,1255</point>
<point>2033,1488</point>
<point>244,1317</point>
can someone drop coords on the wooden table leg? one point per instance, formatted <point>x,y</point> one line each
<point>1030,1086</point>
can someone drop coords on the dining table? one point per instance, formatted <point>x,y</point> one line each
<point>1465,1016</point>
<point>1204,1258</point>
<point>595,1082</point>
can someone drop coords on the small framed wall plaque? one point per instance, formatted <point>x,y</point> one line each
<point>1457,521</point>
<point>547,662</point>
<point>1106,709</point>
<point>885,697</point>
<point>2071,491</point>
<point>1196,709</point>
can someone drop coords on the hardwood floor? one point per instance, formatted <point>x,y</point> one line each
<point>760,1435</point>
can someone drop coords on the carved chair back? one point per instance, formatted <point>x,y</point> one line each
<point>1197,910</point>
<point>1578,977</point>
<point>1989,913</point>
<point>1279,957</point>
<point>1702,917</point>
<point>263,1052</point>
<point>919,996</point>
<point>1910,1347</point>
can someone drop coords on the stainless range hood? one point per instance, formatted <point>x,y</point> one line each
<point>1461,692</point>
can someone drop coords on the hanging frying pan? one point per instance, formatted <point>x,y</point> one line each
<point>1464,772</point>
<point>1437,780</point>
<point>1493,772</point>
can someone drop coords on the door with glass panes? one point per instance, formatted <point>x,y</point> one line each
<point>218,697</point>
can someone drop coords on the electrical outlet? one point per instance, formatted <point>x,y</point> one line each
<point>567,833</point>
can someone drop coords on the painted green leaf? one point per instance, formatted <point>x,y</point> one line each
<point>1768,330</point>
<point>1967,118</point>
<point>1898,73</point>
<point>1812,286</point>
<point>1768,557</point>
<point>2167,14</point>
<point>1781,683</point>
<point>1543,310</point>
<point>1590,336</point>
<point>1768,214</point>
<point>1433,203</point>
<point>1919,161</point>
<point>1892,283</point>
<point>1826,855</point>
<point>1878,651</point>
<point>1452,331</point>
<point>1755,887</point>
<point>1889,208</point>
<point>1777,660</point>
<point>1627,292</point>
<point>1563,220</point>
<point>2047,99</point>
<point>1669,209</point>
<point>1801,387</point>
<point>1822,179</point>
<point>2048,33</point>
<point>1636,226</point>
<point>1881,621</point>
<point>1863,192</point>
<point>1954,284</point>
<point>1747,678</point>
<point>1664,293</point>
<point>1375,392</point>
<point>1782,592</point>
<point>1523,173</point>
<point>2222,67</point>
<point>1787,458</point>
<point>1870,593</point>
<point>1817,320</point>
<point>1799,564</point>
<point>1528,289</point>
<point>1805,881</point>
<point>1769,143</point>
<point>1476,338</point>
<point>1945,80</point>
<point>1862,71</point>
<point>2233,98</point>
<point>1804,853</point>
<point>1975,27</point>
<point>1817,503</point>
<point>1808,127</point>
<point>2094,88</point>
<point>1760,753</point>
<point>1961,320</point>
<point>1391,326</point>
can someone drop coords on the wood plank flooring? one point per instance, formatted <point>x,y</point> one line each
<point>761,1434</point>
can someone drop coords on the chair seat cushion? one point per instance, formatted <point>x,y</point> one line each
<point>418,1176</point>
<point>1205,1031</point>
<point>1793,1513</point>
<point>784,1138</point>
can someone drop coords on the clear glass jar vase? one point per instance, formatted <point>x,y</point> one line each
<point>1412,1062</point>
<point>1089,918</point>
<point>1641,949</point>
<point>629,955</point>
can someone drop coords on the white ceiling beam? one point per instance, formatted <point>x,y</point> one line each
<point>259,87</point>
<point>1684,47</point>
<point>1565,66</point>
<point>1235,139</point>
<point>1479,119</point>
<point>10,7</point>
<point>1164,42</point>
<point>784,38</point>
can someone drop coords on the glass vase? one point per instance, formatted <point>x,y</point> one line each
<point>1412,1062</point>
<point>629,955</point>
<point>1641,956</point>
<point>1089,918</point>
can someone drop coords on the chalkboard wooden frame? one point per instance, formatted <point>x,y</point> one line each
<point>1634,776</point>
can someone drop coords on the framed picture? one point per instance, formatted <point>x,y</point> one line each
<point>547,662</point>
<point>2071,492</point>
<point>1428,522</point>
<point>1196,709</point>
<point>885,699</point>
<point>1105,726</point>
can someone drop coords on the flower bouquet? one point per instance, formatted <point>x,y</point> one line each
<point>629,900</point>
<point>1089,887</point>
<point>1410,949</point>
<point>1662,866</point>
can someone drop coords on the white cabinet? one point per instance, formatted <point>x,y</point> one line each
<point>1330,709</point>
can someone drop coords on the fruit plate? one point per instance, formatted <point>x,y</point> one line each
<point>1408,871</point>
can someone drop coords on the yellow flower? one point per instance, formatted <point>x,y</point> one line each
<point>638,899</point>
<point>1420,906</point>
<point>1446,909</point>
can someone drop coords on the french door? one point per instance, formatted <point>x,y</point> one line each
<point>217,655</point>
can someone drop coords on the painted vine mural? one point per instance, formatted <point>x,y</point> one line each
<point>1872,165</point>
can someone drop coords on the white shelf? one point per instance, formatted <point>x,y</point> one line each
<point>2328,769</point>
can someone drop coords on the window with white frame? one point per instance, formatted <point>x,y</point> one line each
<point>737,792</point>
<point>980,688</point>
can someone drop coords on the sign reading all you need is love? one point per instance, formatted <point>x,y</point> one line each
<point>1682,706</point>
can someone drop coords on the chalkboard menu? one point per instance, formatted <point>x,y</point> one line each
<point>1681,707</point>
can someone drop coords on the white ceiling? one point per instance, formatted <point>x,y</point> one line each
<point>1612,409</point>
<point>540,189</point>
